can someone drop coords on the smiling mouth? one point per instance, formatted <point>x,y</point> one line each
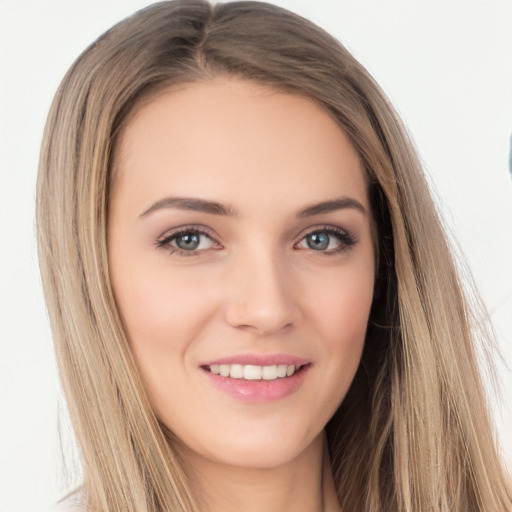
<point>254,372</point>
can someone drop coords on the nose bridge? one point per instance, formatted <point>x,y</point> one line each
<point>259,296</point>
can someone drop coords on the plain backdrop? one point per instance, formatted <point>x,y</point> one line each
<point>447,67</point>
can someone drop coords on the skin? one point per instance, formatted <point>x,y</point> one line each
<point>254,285</point>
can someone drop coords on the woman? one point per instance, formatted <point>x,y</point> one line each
<point>253,302</point>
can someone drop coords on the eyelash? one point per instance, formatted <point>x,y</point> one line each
<point>165,242</point>
<point>346,240</point>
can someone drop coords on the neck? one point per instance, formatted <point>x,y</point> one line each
<point>306,483</point>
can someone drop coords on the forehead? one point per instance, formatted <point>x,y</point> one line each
<point>236,139</point>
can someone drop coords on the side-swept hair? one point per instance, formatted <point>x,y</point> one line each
<point>413,433</point>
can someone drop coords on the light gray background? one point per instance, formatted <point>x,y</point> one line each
<point>447,67</point>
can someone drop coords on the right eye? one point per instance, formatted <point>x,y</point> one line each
<point>187,242</point>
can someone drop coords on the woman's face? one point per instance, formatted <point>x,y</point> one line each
<point>242,263</point>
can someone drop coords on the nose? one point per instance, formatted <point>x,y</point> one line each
<point>261,297</point>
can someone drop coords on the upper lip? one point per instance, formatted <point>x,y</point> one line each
<point>259,360</point>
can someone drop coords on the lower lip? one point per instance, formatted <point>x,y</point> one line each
<point>259,390</point>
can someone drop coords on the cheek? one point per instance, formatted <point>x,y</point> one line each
<point>164,314</point>
<point>341,306</point>
<point>163,311</point>
<point>341,311</point>
<point>345,319</point>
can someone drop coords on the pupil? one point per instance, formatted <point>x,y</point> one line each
<point>318,241</point>
<point>188,242</point>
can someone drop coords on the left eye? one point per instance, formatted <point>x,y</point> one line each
<point>188,241</point>
<point>325,241</point>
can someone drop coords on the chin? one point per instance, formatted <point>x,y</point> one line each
<point>257,451</point>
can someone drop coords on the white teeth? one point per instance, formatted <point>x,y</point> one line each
<point>269,372</point>
<point>237,371</point>
<point>281,370</point>
<point>253,372</point>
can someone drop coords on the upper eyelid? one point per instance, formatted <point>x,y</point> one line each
<point>323,227</point>
<point>198,228</point>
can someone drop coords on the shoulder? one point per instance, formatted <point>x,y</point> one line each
<point>71,501</point>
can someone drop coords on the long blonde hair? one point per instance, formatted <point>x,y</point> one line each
<point>413,433</point>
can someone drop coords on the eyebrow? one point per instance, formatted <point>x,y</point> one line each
<point>192,204</point>
<point>215,208</point>
<point>341,203</point>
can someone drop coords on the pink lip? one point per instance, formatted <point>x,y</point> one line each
<point>259,391</point>
<point>259,360</point>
